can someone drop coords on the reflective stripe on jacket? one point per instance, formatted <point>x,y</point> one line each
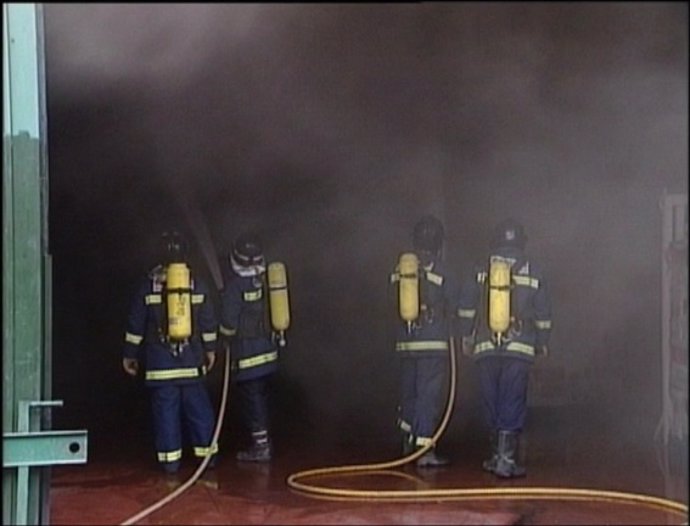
<point>438,303</point>
<point>245,325</point>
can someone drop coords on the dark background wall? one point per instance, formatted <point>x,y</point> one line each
<point>330,130</point>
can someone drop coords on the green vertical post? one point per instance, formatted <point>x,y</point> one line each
<point>25,243</point>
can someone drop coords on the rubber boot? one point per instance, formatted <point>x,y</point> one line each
<point>209,479</point>
<point>211,465</point>
<point>508,446</point>
<point>172,481</point>
<point>170,468</point>
<point>259,451</point>
<point>432,460</point>
<point>490,463</point>
<point>407,444</point>
<point>171,478</point>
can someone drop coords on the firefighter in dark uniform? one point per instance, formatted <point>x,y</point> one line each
<point>245,326</point>
<point>505,313</point>
<point>423,344</point>
<point>172,332</point>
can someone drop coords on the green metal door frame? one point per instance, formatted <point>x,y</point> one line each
<point>27,309</point>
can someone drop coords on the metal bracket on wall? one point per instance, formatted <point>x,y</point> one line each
<point>28,448</point>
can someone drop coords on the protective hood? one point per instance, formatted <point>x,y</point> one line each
<point>247,271</point>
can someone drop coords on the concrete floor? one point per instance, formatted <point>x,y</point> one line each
<point>121,481</point>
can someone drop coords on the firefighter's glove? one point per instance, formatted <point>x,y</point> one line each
<point>542,350</point>
<point>467,345</point>
<point>210,360</point>
<point>131,366</point>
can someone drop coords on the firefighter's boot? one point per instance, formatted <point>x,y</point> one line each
<point>171,476</point>
<point>259,451</point>
<point>211,464</point>
<point>209,479</point>
<point>508,447</point>
<point>172,480</point>
<point>490,463</point>
<point>170,468</point>
<point>407,444</point>
<point>431,459</point>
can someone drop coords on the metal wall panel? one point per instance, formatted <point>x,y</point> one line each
<point>25,312</point>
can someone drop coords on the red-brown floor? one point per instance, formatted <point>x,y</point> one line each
<point>109,491</point>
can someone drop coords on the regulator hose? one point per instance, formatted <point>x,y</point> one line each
<point>295,480</point>
<point>199,470</point>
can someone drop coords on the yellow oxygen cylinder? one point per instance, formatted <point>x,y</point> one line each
<point>408,291</point>
<point>279,302</point>
<point>179,302</point>
<point>499,298</point>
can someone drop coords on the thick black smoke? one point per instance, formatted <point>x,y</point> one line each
<point>330,129</point>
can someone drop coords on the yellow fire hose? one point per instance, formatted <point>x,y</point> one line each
<point>542,493</point>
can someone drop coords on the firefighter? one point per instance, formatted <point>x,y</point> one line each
<point>505,314</point>
<point>172,332</point>
<point>245,327</point>
<point>422,338</point>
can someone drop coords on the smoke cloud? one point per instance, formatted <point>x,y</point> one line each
<point>330,129</point>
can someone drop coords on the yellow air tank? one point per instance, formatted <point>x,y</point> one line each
<point>499,297</point>
<point>279,302</point>
<point>408,292</point>
<point>179,302</point>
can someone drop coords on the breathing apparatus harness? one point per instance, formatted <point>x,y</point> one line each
<point>501,309</point>
<point>416,303</point>
<point>273,278</point>
<point>279,302</point>
<point>172,325</point>
<point>178,303</point>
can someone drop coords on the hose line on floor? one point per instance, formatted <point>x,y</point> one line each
<point>195,476</point>
<point>325,492</point>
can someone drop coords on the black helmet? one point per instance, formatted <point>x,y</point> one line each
<point>509,233</point>
<point>175,246</point>
<point>428,235</point>
<point>247,251</point>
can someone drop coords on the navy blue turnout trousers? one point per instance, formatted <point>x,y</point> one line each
<point>503,383</point>
<point>169,403</point>
<point>423,385</point>
<point>254,403</point>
